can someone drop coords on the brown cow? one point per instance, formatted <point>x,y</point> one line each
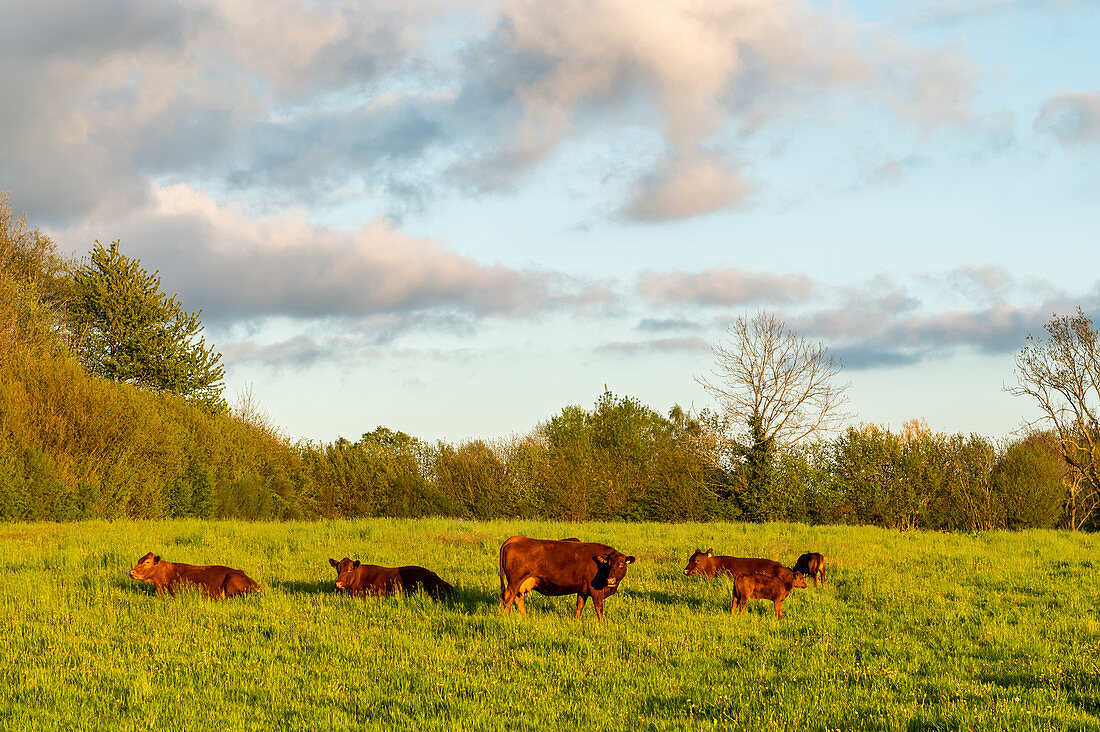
<point>759,587</point>
<point>811,565</point>
<point>363,580</point>
<point>215,581</point>
<point>555,568</point>
<point>709,566</point>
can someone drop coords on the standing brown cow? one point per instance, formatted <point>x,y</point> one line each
<point>710,566</point>
<point>811,565</point>
<point>363,580</point>
<point>555,568</point>
<point>758,587</point>
<point>215,581</point>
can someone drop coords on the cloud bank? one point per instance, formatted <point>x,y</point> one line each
<point>105,102</point>
<point>887,321</point>
<point>241,268</point>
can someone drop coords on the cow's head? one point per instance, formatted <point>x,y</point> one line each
<point>799,580</point>
<point>143,570</point>
<point>611,567</point>
<point>342,566</point>
<point>698,563</point>
<point>346,576</point>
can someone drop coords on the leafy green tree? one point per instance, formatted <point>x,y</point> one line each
<point>33,283</point>
<point>129,331</point>
<point>1029,480</point>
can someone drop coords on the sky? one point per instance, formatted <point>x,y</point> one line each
<point>455,218</point>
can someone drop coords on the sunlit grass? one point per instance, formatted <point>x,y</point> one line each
<point>912,631</point>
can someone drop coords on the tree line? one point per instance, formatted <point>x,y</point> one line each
<point>112,406</point>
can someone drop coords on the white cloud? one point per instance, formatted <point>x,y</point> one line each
<point>1072,117</point>
<point>725,286</point>
<point>234,266</point>
<point>291,100</point>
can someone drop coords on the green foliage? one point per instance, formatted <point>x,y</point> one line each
<point>33,285</point>
<point>754,466</point>
<point>473,479</point>
<point>621,460</point>
<point>129,331</point>
<point>1028,481</point>
<point>76,446</point>
<point>384,474</point>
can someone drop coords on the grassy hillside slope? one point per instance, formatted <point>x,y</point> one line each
<point>912,631</point>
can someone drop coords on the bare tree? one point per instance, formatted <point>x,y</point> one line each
<point>1062,374</point>
<point>249,410</point>
<point>774,387</point>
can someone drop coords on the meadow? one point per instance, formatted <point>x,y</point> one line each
<point>911,631</point>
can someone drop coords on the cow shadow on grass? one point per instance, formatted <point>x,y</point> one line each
<point>134,587</point>
<point>298,587</point>
<point>672,599</point>
<point>472,599</point>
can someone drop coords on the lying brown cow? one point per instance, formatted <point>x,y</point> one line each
<point>710,566</point>
<point>811,565</point>
<point>215,581</point>
<point>555,568</point>
<point>759,587</point>
<point>363,580</point>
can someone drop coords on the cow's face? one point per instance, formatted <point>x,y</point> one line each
<point>614,565</point>
<point>799,580</point>
<point>698,562</point>
<point>346,578</point>
<point>342,566</point>
<point>143,570</point>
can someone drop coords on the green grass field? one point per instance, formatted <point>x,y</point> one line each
<point>912,631</point>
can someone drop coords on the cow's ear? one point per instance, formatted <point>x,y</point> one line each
<point>630,560</point>
<point>601,559</point>
<point>355,564</point>
<point>710,552</point>
<point>332,561</point>
<point>156,560</point>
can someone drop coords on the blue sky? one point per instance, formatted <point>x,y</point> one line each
<point>456,218</point>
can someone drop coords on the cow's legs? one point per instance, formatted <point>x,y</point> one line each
<point>507,598</point>
<point>580,606</point>
<point>520,605</point>
<point>597,601</point>
<point>778,608</point>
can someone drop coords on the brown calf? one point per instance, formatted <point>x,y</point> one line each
<point>758,587</point>
<point>811,565</point>
<point>363,580</point>
<point>215,581</point>
<point>710,566</point>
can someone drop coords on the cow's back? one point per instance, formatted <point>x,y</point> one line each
<point>762,587</point>
<point>734,566</point>
<point>414,579</point>
<point>371,579</point>
<point>215,580</point>
<point>811,565</point>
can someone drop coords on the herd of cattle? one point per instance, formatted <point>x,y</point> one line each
<point>547,566</point>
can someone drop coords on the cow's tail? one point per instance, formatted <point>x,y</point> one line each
<point>500,568</point>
